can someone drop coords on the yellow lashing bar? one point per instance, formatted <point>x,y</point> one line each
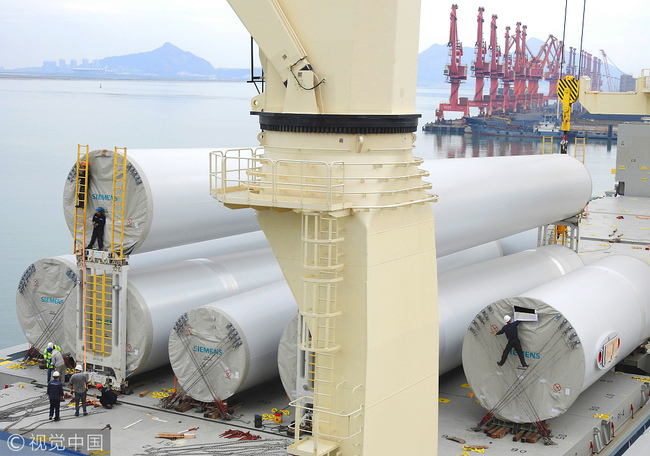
<point>119,193</point>
<point>81,199</point>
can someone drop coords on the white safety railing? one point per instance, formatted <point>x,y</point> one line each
<point>348,425</point>
<point>245,177</point>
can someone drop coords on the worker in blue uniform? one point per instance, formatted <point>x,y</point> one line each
<point>512,334</point>
<point>99,220</point>
<point>108,397</point>
<point>55,393</point>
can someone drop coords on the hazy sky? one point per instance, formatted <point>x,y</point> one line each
<point>32,31</point>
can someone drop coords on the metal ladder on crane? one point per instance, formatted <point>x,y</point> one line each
<point>103,304</point>
<point>321,259</point>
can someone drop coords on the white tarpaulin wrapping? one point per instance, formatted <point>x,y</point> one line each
<point>46,287</point>
<point>461,293</point>
<point>205,353</point>
<point>157,295</point>
<point>167,199</point>
<point>577,328</point>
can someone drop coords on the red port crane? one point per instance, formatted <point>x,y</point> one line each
<point>520,69</point>
<point>571,67</point>
<point>610,81</point>
<point>508,73</point>
<point>496,68</point>
<point>455,72</point>
<point>480,67</point>
<point>545,58</point>
<point>555,60</point>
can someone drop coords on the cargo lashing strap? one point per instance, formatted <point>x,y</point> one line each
<point>227,345</point>
<point>49,328</point>
<point>517,390</point>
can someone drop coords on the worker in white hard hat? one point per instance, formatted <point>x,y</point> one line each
<point>55,393</point>
<point>79,386</point>
<point>512,334</point>
<point>47,355</point>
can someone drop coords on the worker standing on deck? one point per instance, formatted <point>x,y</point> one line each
<point>512,334</point>
<point>99,220</point>
<point>59,362</point>
<point>47,355</point>
<point>108,397</point>
<point>79,386</point>
<point>55,393</point>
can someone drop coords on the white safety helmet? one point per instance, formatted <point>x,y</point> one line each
<point>79,368</point>
<point>55,374</point>
<point>50,345</point>
<point>506,318</point>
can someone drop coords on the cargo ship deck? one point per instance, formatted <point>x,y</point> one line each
<point>613,225</point>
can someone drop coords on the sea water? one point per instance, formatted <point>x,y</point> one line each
<point>43,120</point>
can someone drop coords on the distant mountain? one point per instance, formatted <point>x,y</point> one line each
<point>170,62</point>
<point>166,61</point>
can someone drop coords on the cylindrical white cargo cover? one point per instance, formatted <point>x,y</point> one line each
<point>46,287</point>
<point>478,254</point>
<point>206,249</point>
<point>573,330</point>
<point>156,296</point>
<point>484,199</point>
<point>230,345</point>
<point>519,242</point>
<point>167,199</point>
<point>47,284</point>
<point>461,293</point>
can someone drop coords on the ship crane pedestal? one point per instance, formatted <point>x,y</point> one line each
<point>343,204</point>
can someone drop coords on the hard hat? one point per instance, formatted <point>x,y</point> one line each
<point>55,374</point>
<point>100,209</point>
<point>79,368</point>
<point>99,386</point>
<point>506,318</point>
<point>83,164</point>
<point>50,345</point>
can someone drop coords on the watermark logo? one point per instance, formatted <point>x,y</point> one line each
<point>59,441</point>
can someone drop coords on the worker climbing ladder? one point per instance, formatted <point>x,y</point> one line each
<point>101,314</point>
